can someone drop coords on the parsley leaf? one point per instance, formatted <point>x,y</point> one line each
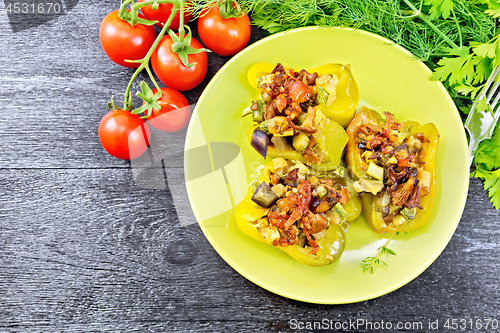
<point>439,8</point>
<point>485,49</point>
<point>493,8</point>
<point>483,70</point>
<point>466,89</point>
<point>457,68</point>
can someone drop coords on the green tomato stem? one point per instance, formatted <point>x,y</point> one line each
<point>151,76</point>
<point>181,22</point>
<point>145,60</point>
<point>123,9</point>
<point>141,95</point>
<point>229,9</point>
<point>229,6</point>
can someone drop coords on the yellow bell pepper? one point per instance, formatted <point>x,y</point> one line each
<point>358,168</point>
<point>331,245</point>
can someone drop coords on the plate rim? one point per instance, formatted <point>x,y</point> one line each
<point>234,266</point>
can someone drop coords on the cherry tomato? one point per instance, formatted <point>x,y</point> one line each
<point>174,114</point>
<point>171,71</point>
<point>121,41</point>
<point>224,36</point>
<point>123,134</point>
<point>163,13</point>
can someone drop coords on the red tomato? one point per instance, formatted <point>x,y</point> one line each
<point>123,134</point>
<point>121,41</point>
<point>174,114</point>
<point>224,36</point>
<point>163,13</point>
<point>171,71</point>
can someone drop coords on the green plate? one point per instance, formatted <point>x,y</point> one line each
<point>389,78</point>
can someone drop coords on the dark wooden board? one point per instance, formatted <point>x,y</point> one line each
<point>83,248</point>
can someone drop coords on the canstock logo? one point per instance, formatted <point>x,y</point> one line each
<point>25,14</point>
<point>214,172</point>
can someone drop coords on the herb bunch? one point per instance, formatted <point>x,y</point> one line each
<point>371,263</point>
<point>457,39</point>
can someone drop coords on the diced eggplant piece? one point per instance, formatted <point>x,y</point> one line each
<point>264,196</point>
<point>260,142</point>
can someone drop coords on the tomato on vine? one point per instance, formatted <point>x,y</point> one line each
<point>180,65</point>
<point>123,134</point>
<point>224,29</point>
<point>174,113</point>
<point>121,41</point>
<point>162,13</point>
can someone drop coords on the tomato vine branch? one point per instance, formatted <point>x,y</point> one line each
<point>181,45</point>
<point>144,62</point>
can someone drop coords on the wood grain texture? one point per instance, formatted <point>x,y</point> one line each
<point>83,249</point>
<point>78,254</point>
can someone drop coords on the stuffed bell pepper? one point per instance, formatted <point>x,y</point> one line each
<point>303,214</point>
<point>290,115</point>
<point>393,165</point>
<point>335,91</point>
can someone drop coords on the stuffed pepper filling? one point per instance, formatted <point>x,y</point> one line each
<point>287,118</point>
<point>396,173</point>
<point>300,206</point>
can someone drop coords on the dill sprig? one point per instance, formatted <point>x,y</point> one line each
<point>369,263</point>
<point>394,19</point>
